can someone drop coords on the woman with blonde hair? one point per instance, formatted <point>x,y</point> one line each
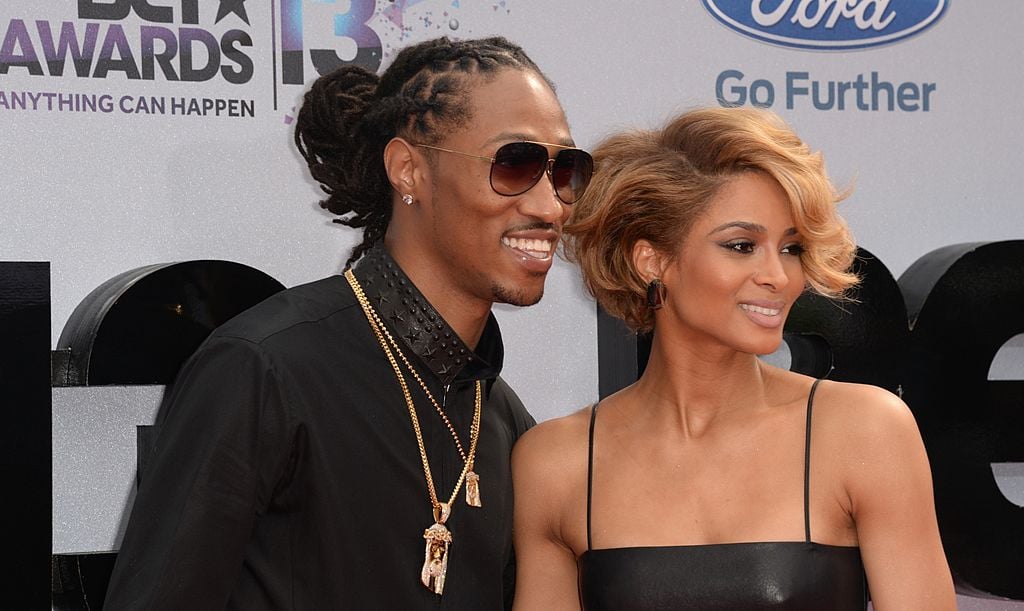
<point>718,481</point>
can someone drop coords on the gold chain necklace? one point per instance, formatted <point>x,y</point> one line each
<point>438,537</point>
<point>472,479</point>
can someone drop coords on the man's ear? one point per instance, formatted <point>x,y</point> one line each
<point>648,261</point>
<point>404,166</point>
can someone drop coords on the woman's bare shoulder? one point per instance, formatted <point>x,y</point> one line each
<point>555,437</point>
<point>865,425</point>
<point>862,407</point>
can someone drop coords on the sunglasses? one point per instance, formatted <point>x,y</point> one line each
<point>517,166</point>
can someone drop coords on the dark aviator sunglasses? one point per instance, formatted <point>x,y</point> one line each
<point>517,166</point>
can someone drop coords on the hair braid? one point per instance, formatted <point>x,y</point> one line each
<point>349,116</point>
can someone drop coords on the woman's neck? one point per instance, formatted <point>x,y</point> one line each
<point>688,386</point>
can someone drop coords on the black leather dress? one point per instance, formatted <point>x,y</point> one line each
<point>793,575</point>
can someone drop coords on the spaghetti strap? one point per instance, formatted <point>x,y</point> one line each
<point>590,467</point>
<point>807,464</point>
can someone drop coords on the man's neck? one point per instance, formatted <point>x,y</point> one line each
<point>422,328</point>
<point>466,316</point>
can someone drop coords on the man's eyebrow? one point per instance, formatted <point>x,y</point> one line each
<point>514,136</point>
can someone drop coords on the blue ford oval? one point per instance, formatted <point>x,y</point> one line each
<point>828,25</point>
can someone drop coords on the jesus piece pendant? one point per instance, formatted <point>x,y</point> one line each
<point>435,561</point>
<point>473,490</point>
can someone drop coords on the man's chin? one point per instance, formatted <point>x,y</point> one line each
<point>517,296</point>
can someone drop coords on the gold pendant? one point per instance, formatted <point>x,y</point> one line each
<point>435,561</point>
<point>473,489</point>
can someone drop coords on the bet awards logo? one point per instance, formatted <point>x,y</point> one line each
<point>108,39</point>
<point>824,25</point>
<point>351,25</point>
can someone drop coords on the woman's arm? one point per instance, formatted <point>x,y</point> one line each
<point>890,487</point>
<point>543,470</point>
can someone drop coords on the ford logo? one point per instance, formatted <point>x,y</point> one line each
<point>827,24</point>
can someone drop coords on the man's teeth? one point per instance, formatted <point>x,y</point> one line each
<point>539,249</point>
<point>760,310</point>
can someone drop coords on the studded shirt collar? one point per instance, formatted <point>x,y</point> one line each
<point>413,321</point>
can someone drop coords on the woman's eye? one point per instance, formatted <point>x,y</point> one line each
<point>740,247</point>
<point>793,249</point>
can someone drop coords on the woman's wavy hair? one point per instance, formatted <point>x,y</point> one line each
<point>349,116</point>
<point>654,184</point>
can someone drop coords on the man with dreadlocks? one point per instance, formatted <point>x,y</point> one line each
<point>345,444</point>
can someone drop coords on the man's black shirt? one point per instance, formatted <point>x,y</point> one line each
<point>286,473</point>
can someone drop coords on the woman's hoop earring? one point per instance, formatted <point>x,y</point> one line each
<point>407,199</point>
<point>656,294</point>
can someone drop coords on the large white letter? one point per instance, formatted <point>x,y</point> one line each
<point>772,18</point>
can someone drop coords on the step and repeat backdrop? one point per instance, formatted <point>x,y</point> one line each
<point>144,132</point>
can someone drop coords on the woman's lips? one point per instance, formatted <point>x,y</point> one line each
<point>764,315</point>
